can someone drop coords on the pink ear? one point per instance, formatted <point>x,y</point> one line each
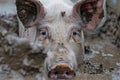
<point>92,12</point>
<point>29,11</point>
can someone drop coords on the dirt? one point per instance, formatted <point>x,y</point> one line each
<point>100,62</point>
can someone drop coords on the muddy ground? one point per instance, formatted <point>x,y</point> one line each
<point>100,62</point>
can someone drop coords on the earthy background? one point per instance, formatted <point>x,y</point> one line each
<point>101,62</point>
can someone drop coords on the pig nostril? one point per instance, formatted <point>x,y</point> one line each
<point>61,71</point>
<point>68,73</point>
<point>56,73</point>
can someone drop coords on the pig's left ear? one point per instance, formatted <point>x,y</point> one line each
<point>92,13</point>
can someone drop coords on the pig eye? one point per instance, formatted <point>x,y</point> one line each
<point>75,34</point>
<point>43,34</point>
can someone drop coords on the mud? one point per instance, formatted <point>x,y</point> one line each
<point>101,60</point>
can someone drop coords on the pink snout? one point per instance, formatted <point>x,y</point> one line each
<point>61,71</point>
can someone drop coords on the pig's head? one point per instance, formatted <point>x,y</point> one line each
<point>60,29</point>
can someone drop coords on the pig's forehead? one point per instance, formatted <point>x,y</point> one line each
<point>59,15</point>
<point>60,26</point>
<point>56,9</point>
<point>60,23</point>
<point>64,24</point>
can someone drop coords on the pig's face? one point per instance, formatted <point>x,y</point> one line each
<point>60,31</point>
<point>62,41</point>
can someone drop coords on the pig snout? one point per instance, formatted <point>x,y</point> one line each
<point>60,65</point>
<point>61,71</point>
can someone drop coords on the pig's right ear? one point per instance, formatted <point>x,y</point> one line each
<point>91,12</point>
<point>29,12</point>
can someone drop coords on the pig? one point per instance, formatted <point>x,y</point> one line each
<point>59,26</point>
